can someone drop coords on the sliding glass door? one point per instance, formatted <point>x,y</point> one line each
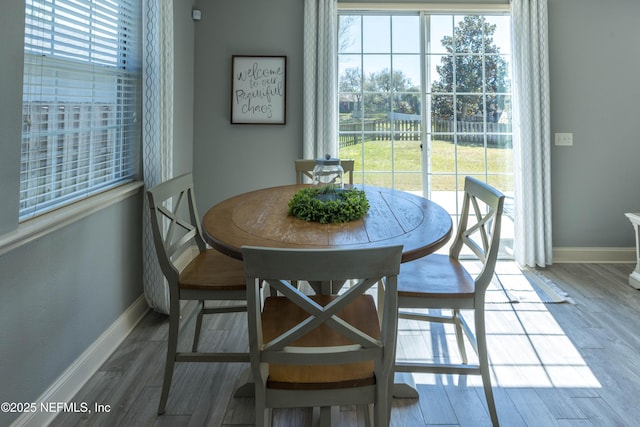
<point>424,100</point>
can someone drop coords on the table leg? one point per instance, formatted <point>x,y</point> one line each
<point>325,416</point>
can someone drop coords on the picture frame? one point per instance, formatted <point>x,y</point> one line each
<point>258,89</point>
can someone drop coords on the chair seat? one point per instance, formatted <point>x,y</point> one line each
<point>213,270</point>
<point>435,276</point>
<point>280,314</point>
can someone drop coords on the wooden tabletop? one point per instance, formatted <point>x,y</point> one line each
<point>259,218</point>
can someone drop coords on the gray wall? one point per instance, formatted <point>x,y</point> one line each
<point>231,159</point>
<point>61,292</point>
<point>594,65</point>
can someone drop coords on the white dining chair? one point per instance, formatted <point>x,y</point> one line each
<point>304,168</point>
<point>441,282</point>
<point>208,274</point>
<point>322,351</point>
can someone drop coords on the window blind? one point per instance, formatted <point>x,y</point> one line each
<point>81,100</point>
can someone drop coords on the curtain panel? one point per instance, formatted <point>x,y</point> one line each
<point>157,132</point>
<point>532,133</point>
<point>320,89</point>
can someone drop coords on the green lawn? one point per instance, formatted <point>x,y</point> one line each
<point>407,175</point>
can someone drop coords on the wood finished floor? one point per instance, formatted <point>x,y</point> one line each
<point>553,365</point>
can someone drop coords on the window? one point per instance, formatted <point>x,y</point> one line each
<point>80,128</point>
<point>379,84</point>
<point>424,100</point>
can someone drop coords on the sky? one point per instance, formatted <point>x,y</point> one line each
<point>401,35</point>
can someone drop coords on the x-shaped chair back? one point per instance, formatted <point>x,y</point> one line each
<point>279,267</point>
<point>282,348</point>
<point>479,227</point>
<point>175,219</point>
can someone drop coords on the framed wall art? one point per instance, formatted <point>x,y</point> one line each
<point>258,89</point>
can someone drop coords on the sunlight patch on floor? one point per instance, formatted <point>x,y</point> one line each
<point>527,347</point>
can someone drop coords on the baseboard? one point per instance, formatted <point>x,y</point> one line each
<point>594,255</point>
<point>76,375</point>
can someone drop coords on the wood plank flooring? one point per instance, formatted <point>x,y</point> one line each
<point>553,365</point>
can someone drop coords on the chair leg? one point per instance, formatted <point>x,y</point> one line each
<point>172,347</point>
<point>264,415</point>
<point>329,416</point>
<point>198,329</point>
<point>485,370</point>
<point>459,336</point>
<point>381,417</point>
<point>382,404</point>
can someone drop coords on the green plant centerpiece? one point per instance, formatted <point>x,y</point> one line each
<point>328,204</point>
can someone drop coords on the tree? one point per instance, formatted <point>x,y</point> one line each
<point>464,64</point>
<point>351,84</point>
<point>345,25</point>
<point>381,86</point>
<point>377,87</point>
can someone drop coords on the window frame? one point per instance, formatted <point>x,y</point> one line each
<point>109,102</point>
<point>423,11</point>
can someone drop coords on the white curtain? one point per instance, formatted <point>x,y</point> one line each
<point>157,131</point>
<point>532,133</point>
<point>319,91</point>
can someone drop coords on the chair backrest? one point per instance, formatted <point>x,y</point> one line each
<point>174,222</point>
<point>304,168</point>
<point>279,267</point>
<point>479,227</point>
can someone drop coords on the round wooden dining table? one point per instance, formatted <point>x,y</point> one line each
<point>260,218</point>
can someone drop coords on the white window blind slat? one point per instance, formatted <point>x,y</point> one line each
<point>80,102</point>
